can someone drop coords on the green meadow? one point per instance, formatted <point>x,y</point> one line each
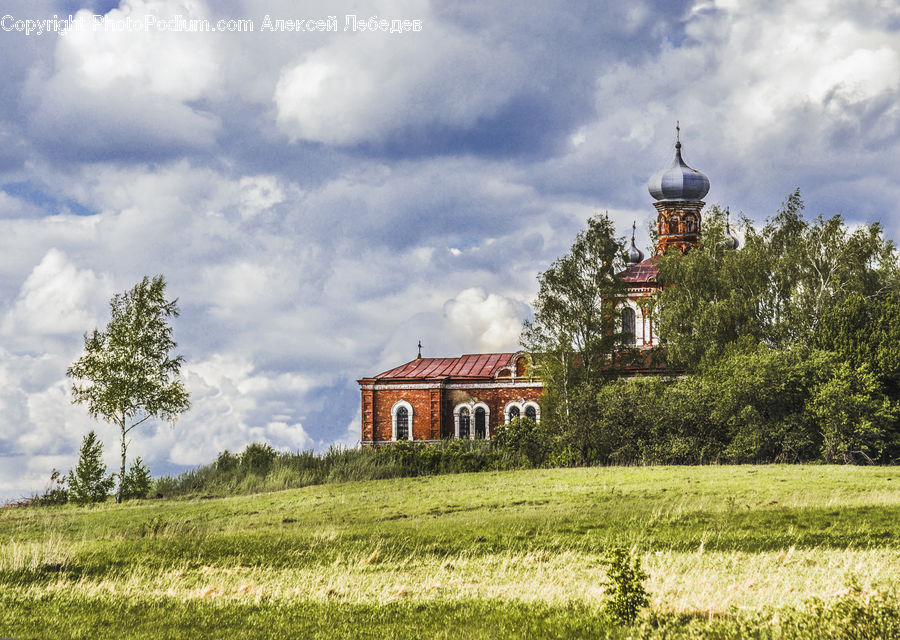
<point>742,551</point>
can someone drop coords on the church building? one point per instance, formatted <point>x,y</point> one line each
<point>428,399</point>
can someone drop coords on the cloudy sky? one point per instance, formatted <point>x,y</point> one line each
<point>318,202</point>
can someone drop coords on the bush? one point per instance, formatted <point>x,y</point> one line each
<point>137,481</point>
<point>56,492</point>
<point>258,458</point>
<point>523,436</point>
<point>227,462</point>
<point>625,595</point>
<point>261,468</point>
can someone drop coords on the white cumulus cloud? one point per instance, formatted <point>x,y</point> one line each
<point>362,89</point>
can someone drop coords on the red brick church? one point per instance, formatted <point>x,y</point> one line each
<point>428,399</point>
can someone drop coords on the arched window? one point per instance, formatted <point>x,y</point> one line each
<point>689,224</point>
<point>402,424</point>
<point>464,422</point>
<point>402,420</point>
<point>673,224</point>
<point>513,412</point>
<point>531,413</point>
<point>628,325</point>
<point>480,424</point>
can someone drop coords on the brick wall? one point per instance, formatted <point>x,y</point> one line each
<point>368,416</point>
<point>421,401</point>
<point>433,409</point>
<point>496,399</point>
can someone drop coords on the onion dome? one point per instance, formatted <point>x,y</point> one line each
<point>678,181</point>
<point>635,255</point>
<point>731,241</point>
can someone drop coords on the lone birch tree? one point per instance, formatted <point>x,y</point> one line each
<point>127,375</point>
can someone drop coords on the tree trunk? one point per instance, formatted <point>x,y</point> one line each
<point>122,466</point>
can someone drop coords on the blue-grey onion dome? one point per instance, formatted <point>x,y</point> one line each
<point>635,255</point>
<point>678,181</point>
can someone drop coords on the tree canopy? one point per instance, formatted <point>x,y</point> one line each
<point>784,288</point>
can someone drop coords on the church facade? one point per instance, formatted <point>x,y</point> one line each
<point>429,399</point>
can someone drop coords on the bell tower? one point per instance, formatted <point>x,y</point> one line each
<point>678,191</point>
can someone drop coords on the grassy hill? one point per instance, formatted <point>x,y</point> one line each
<point>778,550</point>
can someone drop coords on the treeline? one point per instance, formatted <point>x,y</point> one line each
<point>787,350</point>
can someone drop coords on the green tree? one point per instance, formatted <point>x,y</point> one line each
<point>576,338</point>
<point>137,482</point>
<point>863,330</point>
<point>88,482</point>
<point>127,375</point>
<point>712,297</point>
<point>855,416</point>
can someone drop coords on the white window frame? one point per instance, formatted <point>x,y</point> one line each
<point>509,405</point>
<point>397,405</point>
<point>472,406</point>
<point>487,420</point>
<point>456,415</point>
<point>537,410</point>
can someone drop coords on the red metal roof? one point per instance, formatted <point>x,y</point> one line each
<point>645,271</point>
<point>475,365</point>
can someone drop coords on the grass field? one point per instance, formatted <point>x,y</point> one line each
<point>765,551</point>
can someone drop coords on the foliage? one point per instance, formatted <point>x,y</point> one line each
<point>56,493</point>
<point>226,462</point>
<point>863,331</point>
<point>127,375</point>
<point>790,346</point>
<point>260,468</point>
<point>257,458</point>
<point>137,482</point>
<point>576,338</point>
<point>624,594</point>
<point>854,415</point>
<point>753,404</point>
<point>790,276</point>
<point>88,481</point>
<point>796,332</point>
<point>523,436</point>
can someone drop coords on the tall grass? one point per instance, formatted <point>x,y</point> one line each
<point>26,562</point>
<point>231,474</point>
